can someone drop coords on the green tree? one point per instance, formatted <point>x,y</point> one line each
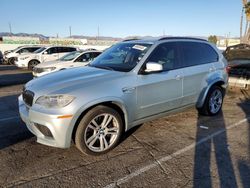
<point>213,39</point>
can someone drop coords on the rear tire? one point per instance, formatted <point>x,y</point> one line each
<point>32,64</point>
<point>213,103</point>
<point>99,131</point>
<point>11,61</point>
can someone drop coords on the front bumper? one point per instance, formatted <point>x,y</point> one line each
<point>59,128</point>
<point>21,64</point>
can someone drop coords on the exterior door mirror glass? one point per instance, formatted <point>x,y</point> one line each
<point>152,67</point>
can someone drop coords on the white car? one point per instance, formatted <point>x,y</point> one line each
<point>72,59</point>
<point>42,55</point>
<point>9,56</point>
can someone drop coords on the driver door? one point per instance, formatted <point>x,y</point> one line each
<point>160,92</point>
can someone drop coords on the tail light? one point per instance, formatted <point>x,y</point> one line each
<point>228,68</point>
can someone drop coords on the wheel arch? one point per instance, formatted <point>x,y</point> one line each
<point>34,60</point>
<point>218,82</point>
<point>115,104</point>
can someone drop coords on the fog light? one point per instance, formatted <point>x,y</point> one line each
<point>44,130</point>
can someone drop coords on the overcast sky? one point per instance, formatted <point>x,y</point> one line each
<point>120,18</point>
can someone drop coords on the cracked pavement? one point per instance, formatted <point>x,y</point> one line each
<point>174,151</point>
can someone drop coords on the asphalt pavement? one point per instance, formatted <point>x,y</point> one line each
<point>180,150</point>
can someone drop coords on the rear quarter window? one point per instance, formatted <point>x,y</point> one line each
<point>195,53</point>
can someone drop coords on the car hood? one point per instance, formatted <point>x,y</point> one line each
<point>68,80</point>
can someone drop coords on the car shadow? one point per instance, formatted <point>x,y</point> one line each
<point>4,67</point>
<point>244,165</point>
<point>12,129</point>
<point>129,133</point>
<point>218,146</point>
<point>15,79</point>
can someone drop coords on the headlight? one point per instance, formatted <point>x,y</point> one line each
<point>55,101</point>
<point>23,58</point>
<point>48,69</point>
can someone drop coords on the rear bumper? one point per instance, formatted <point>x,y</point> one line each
<point>59,128</point>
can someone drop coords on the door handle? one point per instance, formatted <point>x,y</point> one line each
<point>178,77</point>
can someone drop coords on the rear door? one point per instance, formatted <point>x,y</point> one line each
<point>197,62</point>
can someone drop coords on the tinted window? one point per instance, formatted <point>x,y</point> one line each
<point>65,49</point>
<point>52,50</point>
<point>165,54</point>
<point>194,53</point>
<point>33,49</point>
<point>84,58</point>
<point>95,54</point>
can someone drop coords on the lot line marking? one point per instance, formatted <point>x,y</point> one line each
<point>10,118</point>
<point>171,156</point>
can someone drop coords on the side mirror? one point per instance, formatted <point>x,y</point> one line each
<point>152,67</point>
<point>45,53</point>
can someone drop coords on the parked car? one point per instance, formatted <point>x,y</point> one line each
<point>237,52</point>
<point>131,83</point>
<point>239,73</point>
<point>9,56</point>
<point>72,59</point>
<point>1,57</point>
<point>42,55</point>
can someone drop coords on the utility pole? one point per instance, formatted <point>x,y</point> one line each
<point>10,28</point>
<point>98,32</point>
<point>241,24</point>
<point>70,31</point>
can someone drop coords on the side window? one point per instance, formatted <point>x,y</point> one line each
<point>60,50</point>
<point>95,54</point>
<point>165,54</point>
<point>52,50</point>
<point>84,58</point>
<point>32,49</point>
<point>25,50</point>
<point>67,49</point>
<point>20,51</point>
<point>71,49</point>
<point>195,53</point>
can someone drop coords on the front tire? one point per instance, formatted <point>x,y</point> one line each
<point>32,64</point>
<point>213,103</point>
<point>99,131</point>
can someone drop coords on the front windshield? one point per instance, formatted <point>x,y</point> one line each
<point>39,50</point>
<point>70,56</point>
<point>121,57</point>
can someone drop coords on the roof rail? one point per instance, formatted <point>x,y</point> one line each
<point>190,38</point>
<point>130,39</point>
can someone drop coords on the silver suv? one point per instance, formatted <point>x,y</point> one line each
<point>130,83</point>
